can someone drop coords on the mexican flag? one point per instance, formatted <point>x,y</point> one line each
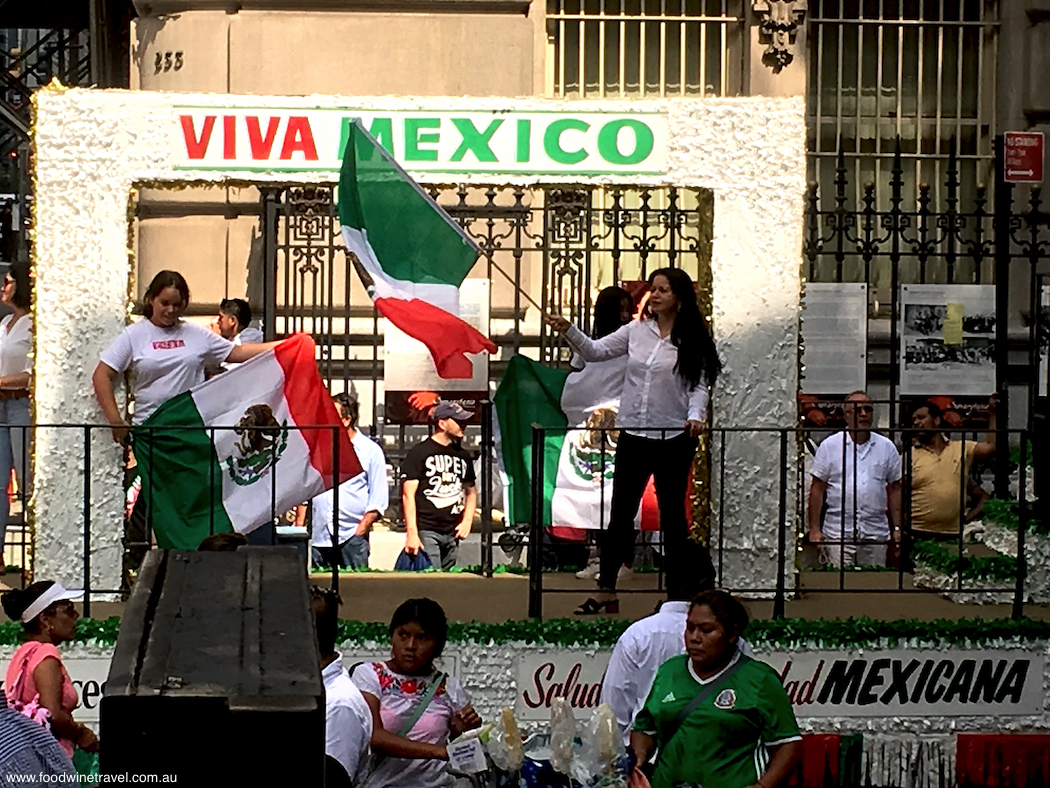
<point>410,255</point>
<point>198,480</point>
<point>577,465</point>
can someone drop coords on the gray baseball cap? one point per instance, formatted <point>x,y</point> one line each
<point>451,410</point>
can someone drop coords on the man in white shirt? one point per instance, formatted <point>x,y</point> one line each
<point>348,719</point>
<point>645,646</point>
<point>362,499</point>
<point>857,473</point>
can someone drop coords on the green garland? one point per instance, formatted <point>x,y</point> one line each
<point>1002,513</point>
<point>945,558</point>
<point>100,631</point>
<point>1015,457</point>
<point>469,569</point>
<point>784,633</point>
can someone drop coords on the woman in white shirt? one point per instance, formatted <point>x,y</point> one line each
<point>16,339</point>
<point>164,355</point>
<point>671,364</point>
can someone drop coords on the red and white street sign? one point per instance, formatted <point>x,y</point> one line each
<point>1023,157</point>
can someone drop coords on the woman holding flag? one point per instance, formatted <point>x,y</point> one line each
<point>164,355</point>
<point>672,363</point>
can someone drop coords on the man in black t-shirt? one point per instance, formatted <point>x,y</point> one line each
<point>438,495</point>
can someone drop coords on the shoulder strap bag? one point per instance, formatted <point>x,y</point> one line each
<point>700,697</point>
<point>424,702</point>
<point>409,723</point>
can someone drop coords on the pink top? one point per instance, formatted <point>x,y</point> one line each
<point>37,652</point>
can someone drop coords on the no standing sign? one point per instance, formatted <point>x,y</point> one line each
<point>1023,157</point>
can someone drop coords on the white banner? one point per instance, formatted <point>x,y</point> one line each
<point>911,683</point>
<point>891,683</point>
<point>544,677</point>
<point>455,142</point>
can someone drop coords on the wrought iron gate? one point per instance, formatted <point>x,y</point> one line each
<point>554,245</point>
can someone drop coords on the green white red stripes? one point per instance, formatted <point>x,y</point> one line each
<point>411,256</point>
<point>231,452</point>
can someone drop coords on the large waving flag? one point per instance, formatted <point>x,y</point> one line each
<point>200,481</point>
<point>410,255</point>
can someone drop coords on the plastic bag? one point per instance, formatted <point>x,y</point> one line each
<point>504,743</point>
<point>601,749</point>
<point>407,562</point>
<point>563,734</point>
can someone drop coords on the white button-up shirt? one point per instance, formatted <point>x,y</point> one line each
<point>857,475</point>
<point>641,650</point>
<point>653,394</point>
<point>15,342</point>
<point>348,721</point>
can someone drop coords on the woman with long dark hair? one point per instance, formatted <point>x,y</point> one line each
<point>672,363</point>
<point>16,340</point>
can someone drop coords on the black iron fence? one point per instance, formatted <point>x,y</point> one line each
<point>757,476</point>
<point>906,558</point>
<point>896,234</point>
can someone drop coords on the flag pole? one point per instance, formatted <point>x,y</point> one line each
<point>369,283</point>
<point>517,286</point>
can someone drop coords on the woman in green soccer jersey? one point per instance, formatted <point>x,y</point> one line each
<point>720,719</point>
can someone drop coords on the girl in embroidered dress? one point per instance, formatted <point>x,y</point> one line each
<point>413,719</point>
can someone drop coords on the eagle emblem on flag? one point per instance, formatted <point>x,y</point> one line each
<point>262,442</point>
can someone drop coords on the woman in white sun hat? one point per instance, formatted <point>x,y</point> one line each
<point>37,683</point>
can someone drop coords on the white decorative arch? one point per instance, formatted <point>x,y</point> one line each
<point>91,147</point>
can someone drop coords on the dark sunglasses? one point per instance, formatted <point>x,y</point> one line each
<point>864,408</point>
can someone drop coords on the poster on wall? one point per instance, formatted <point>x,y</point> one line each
<point>835,338</point>
<point>947,340</point>
<point>410,379</point>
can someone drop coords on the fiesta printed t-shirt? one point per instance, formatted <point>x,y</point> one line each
<point>443,472</point>
<point>723,743</point>
<point>163,362</point>
<point>398,696</point>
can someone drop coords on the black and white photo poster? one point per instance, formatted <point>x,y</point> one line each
<point>947,340</point>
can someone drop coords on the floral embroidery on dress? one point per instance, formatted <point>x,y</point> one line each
<point>404,686</point>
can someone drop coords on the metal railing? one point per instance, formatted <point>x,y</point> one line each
<point>777,480</point>
<point>783,481</point>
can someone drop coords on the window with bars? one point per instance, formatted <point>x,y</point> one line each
<point>921,71</point>
<point>644,48</point>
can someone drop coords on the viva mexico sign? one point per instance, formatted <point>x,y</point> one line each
<point>439,141</point>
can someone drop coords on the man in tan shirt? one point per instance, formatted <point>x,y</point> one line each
<point>940,470</point>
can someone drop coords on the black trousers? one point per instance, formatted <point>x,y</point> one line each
<point>668,462</point>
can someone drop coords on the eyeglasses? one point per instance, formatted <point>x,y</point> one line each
<point>864,408</point>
